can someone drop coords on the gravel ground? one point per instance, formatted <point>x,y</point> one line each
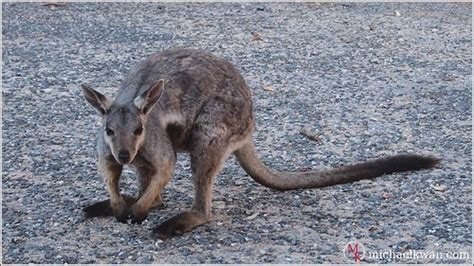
<point>369,79</point>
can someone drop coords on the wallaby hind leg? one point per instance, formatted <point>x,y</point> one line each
<point>207,159</point>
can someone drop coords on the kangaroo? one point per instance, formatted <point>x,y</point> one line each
<point>185,100</point>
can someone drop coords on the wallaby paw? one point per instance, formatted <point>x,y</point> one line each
<point>138,218</point>
<point>124,215</point>
<point>179,224</point>
<point>128,215</point>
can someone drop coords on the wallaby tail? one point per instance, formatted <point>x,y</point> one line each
<point>250,161</point>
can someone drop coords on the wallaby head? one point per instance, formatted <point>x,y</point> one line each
<point>123,125</point>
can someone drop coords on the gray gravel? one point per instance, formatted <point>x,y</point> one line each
<point>369,79</point>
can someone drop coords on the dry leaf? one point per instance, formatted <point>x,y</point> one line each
<point>251,217</point>
<point>373,228</point>
<point>256,37</point>
<point>53,4</point>
<point>448,77</point>
<point>311,135</point>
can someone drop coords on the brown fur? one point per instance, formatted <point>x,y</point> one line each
<point>191,101</point>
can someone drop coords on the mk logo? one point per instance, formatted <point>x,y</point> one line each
<point>354,251</point>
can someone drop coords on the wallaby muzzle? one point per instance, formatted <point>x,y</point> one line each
<point>124,157</point>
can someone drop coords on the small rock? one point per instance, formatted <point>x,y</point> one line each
<point>440,188</point>
<point>239,182</point>
<point>219,205</point>
<point>268,87</point>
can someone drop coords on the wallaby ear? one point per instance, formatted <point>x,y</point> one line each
<point>150,97</point>
<point>96,99</point>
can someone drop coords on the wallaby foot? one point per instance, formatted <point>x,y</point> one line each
<point>130,213</point>
<point>135,213</point>
<point>179,224</point>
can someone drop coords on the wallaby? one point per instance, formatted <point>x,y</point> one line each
<point>185,100</point>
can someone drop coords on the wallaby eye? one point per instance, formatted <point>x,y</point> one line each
<point>109,131</point>
<point>138,131</point>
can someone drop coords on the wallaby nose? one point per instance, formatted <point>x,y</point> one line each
<point>124,156</point>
